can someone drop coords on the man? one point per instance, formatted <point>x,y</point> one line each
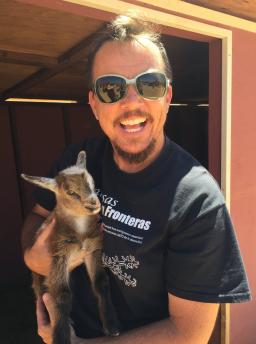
<point>168,239</point>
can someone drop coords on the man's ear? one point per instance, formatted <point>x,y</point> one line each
<point>92,103</point>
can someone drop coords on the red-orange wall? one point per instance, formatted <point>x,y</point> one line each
<point>243,175</point>
<point>243,172</point>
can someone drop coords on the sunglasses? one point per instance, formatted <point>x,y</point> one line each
<point>112,88</point>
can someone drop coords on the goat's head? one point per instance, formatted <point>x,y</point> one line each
<point>73,187</point>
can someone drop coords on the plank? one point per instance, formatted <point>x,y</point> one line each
<point>12,268</point>
<point>39,139</point>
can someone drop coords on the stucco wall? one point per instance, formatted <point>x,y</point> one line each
<point>243,175</point>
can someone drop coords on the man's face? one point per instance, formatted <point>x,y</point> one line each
<point>134,124</point>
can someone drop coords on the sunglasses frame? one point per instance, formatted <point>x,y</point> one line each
<point>133,83</point>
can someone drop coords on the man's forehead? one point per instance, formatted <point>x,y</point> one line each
<point>129,57</point>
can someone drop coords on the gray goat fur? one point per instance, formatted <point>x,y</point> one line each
<point>76,228</point>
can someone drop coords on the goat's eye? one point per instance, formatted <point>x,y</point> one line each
<point>73,194</point>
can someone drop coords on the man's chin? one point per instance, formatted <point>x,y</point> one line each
<point>135,157</point>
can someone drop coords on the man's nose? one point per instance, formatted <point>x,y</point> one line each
<point>131,95</point>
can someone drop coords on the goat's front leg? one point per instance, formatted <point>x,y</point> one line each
<point>39,286</point>
<point>101,287</point>
<point>60,292</point>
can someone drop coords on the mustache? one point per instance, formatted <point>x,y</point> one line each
<point>136,112</point>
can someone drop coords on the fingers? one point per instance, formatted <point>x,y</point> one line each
<point>50,307</point>
<point>77,258</point>
<point>41,313</point>
<point>46,229</point>
<point>45,326</point>
<point>38,258</point>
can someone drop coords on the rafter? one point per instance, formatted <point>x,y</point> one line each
<point>73,55</point>
<point>7,56</point>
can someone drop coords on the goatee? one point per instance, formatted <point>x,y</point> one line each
<point>135,158</point>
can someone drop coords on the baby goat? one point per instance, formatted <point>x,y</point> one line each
<point>75,229</point>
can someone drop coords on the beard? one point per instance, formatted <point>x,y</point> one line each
<point>135,158</point>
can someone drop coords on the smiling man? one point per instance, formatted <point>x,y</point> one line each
<point>169,244</point>
<point>134,124</point>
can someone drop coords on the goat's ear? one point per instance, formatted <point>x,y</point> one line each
<point>81,160</point>
<point>46,183</point>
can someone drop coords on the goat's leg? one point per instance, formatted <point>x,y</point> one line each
<point>38,284</point>
<point>39,287</point>
<point>101,287</point>
<point>60,292</point>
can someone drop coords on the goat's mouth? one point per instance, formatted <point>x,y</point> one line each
<point>93,209</point>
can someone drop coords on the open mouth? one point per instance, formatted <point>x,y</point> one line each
<point>133,125</point>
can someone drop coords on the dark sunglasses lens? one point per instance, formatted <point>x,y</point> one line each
<point>110,89</point>
<point>151,85</point>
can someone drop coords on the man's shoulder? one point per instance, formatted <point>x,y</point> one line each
<point>190,172</point>
<point>194,183</point>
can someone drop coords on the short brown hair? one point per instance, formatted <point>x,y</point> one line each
<point>126,28</point>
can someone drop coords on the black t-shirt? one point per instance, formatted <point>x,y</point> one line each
<point>166,229</point>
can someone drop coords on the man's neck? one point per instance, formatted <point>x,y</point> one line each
<point>129,167</point>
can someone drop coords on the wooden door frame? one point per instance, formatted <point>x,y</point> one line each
<point>220,56</point>
<point>220,74</point>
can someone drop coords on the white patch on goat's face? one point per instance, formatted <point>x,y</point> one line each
<point>77,170</point>
<point>81,224</point>
<point>90,181</point>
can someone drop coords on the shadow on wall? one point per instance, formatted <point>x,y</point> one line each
<point>188,126</point>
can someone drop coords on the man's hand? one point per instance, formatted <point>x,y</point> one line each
<point>38,258</point>
<point>190,322</point>
<point>45,318</point>
<point>35,241</point>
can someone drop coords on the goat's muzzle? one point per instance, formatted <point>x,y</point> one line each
<point>93,205</point>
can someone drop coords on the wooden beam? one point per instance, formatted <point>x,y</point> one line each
<point>68,7</point>
<point>214,116</point>
<point>242,9</point>
<point>7,56</point>
<point>73,55</point>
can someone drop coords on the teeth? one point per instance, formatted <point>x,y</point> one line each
<point>132,130</point>
<point>133,121</point>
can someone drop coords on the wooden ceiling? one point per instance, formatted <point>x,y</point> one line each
<point>245,9</point>
<point>42,51</point>
<point>43,54</point>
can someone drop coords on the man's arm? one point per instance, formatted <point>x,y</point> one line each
<point>190,322</point>
<point>35,233</point>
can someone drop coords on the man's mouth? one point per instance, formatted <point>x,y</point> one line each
<point>133,125</point>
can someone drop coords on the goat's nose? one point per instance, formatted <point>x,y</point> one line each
<point>93,200</point>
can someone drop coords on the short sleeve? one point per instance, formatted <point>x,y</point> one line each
<point>203,261</point>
